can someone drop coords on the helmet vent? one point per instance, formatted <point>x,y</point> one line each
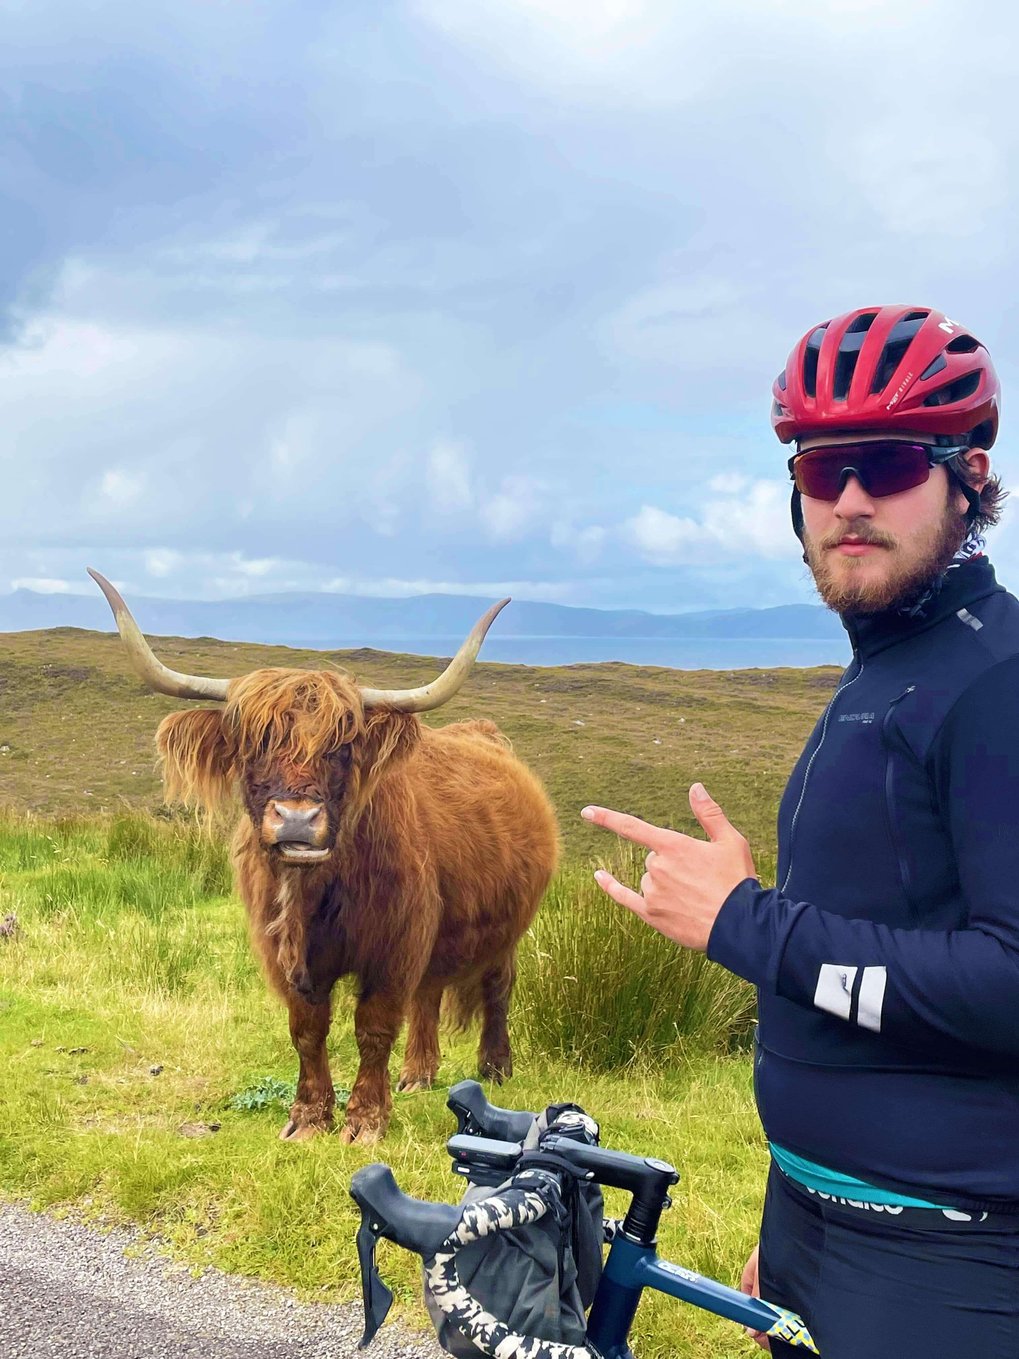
<point>810,361</point>
<point>845,367</point>
<point>890,360</point>
<point>935,366</point>
<point>954,391</point>
<point>781,381</point>
<point>915,316</point>
<point>861,323</point>
<point>962,344</point>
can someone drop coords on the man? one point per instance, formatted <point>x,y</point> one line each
<point>887,958</point>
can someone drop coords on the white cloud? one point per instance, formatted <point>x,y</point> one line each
<point>942,180</point>
<point>728,483</point>
<point>43,584</point>
<point>392,587</point>
<point>592,49</point>
<point>752,525</point>
<point>258,242</point>
<point>695,327</point>
<point>517,508</point>
<point>120,488</point>
<point>641,53</point>
<point>254,568</point>
<point>514,509</point>
<point>161,561</point>
<point>585,543</point>
<point>449,477</point>
<point>664,538</point>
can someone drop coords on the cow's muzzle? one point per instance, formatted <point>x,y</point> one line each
<point>297,828</point>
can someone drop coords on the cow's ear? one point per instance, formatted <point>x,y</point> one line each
<point>197,757</point>
<point>387,739</point>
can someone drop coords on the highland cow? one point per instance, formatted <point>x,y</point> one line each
<point>411,857</point>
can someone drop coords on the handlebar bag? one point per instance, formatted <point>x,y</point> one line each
<point>539,1279</point>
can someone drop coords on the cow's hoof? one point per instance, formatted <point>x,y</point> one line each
<point>408,1084</point>
<point>496,1071</point>
<point>299,1132</point>
<point>364,1134</point>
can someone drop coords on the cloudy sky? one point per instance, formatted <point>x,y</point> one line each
<point>481,296</point>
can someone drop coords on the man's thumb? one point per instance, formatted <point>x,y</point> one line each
<point>710,815</point>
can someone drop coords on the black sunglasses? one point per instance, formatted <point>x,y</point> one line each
<point>883,467</point>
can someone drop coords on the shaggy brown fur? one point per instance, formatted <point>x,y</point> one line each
<point>441,843</point>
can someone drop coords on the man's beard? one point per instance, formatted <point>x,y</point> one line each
<point>906,582</point>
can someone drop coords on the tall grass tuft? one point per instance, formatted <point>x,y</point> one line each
<point>597,987</point>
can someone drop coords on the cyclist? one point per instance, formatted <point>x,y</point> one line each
<point>887,958</point>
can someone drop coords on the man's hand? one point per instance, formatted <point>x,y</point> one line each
<point>686,880</point>
<point>751,1285</point>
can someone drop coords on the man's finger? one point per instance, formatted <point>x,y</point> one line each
<point>707,811</point>
<point>625,896</point>
<point>630,827</point>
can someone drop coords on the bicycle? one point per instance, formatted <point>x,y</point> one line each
<point>532,1181</point>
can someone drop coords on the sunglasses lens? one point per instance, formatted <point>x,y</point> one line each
<point>883,468</point>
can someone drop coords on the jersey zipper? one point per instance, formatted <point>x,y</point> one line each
<point>905,877</point>
<point>810,764</point>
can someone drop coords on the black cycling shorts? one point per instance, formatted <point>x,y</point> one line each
<point>873,1285</point>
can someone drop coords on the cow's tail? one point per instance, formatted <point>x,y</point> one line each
<point>465,1000</point>
<point>462,1003</point>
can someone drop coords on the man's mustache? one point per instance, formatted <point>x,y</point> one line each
<point>862,534</point>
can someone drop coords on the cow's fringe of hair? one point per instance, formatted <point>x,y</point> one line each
<point>293,715</point>
<point>196,758</point>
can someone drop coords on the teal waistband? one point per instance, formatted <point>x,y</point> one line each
<point>833,1182</point>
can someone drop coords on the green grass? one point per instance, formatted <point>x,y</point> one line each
<point>600,991</point>
<point>76,727</point>
<point>133,1020</point>
<point>127,1035</point>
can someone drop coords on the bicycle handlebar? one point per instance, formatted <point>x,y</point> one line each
<point>476,1117</point>
<point>412,1223</point>
<point>436,1231</point>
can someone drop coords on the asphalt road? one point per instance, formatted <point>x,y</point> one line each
<point>70,1292</point>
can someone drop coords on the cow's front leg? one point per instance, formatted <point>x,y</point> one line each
<point>377,1021</point>
<point>312,1109</point>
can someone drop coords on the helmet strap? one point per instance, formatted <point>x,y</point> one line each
<point>972,497</point>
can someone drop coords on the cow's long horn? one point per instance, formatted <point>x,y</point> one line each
<point>156,675</point>
<point>440,690</point>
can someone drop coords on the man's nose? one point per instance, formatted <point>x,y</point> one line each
<point>853,501</point>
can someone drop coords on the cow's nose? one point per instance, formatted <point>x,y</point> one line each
<point>297,825</point>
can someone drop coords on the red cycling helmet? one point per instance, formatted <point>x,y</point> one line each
<point>889,369</point>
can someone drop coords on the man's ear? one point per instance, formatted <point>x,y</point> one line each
<point>977,462</point>
<point>973,470</point>
<point>197,758</point>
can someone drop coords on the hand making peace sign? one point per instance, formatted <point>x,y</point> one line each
<point>686,881</point>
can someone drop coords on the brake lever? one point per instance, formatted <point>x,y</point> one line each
<point>377,1298</point>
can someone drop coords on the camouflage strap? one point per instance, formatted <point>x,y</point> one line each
<point>509,1209</point>
<point>791,1328</point>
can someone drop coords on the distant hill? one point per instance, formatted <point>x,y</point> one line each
<point>335,620</point>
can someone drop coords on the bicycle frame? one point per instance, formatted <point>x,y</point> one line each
<point>631,1267</point>
<point>632,1264</point>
